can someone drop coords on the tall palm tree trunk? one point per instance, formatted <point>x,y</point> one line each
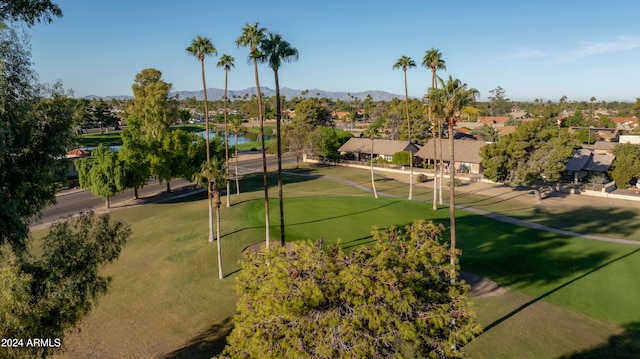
<point>264,157</point>
<point>210,202</point>
<point>406,104</point>
<point>452,203</point>
<point>279,142</point>
<point>220,273</point>
<point>441,168</point>
<point>373,181</point>
<point>237,180</point>
<point>435,170</point>
<point>226,136</point>
<point>206,125</point>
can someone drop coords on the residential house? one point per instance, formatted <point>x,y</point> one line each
<point>71,157</point>
<point>467,154</point>
<point>587,162</point>
<point>601,147</point>
<point>625,123</point>
<point>519,114</point>
<point>600,134</point>
<point>359,148</point>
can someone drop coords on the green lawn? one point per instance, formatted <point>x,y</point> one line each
<point>566,295</point>
<point>93,140</point>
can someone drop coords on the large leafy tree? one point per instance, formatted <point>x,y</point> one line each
<point>34,133</point>
<point>99,113</point>
<point>29,11</point>
<point>297,139</point>
<point>433,61</point>
<point>151,110</point>
<point>46,295</point>
<point>448,101</point>
<point>103,173</point>
<point>536,152</point>
<point>226,62</point>
<point>251,37</point>
<point>636,108</point>
<point>325,142</point>
<point>180,155</point>
<point>405,63</point>
<point>150,113</point>
<point>134,155</point>
<point>312,113</point>
<point>387,300</point>
<point>275,50</point>
<point>626,166</point>
<point>499,104</point>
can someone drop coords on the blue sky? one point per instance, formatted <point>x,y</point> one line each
<point>532,49</point>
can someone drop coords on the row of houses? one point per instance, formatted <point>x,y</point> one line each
<point>590,160</point>
<point>467,152</point>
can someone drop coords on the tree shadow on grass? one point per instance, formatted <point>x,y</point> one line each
<point>589,220</point>
<point>343,215</point>
<point>622,346</point>
<point>485,199</point>
<point>255,182</point>
<point>207,344</point>
<point>248,183</point>
<point>560,287</point>
<point>518,257</point>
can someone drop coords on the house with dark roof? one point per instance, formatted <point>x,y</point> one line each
<point>587,162</point>
<point>360,148</point>
<point>467,154</point>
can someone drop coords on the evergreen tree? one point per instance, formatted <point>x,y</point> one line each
<point>626,167</point>
<point>390,300</point>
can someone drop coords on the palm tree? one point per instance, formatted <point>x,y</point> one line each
<point>252,36</point>
<point>433,60</point>
<point>201,47</point>
<point>449,101</point>
<point>372,132</point>
<point>213,173</point>
<point>404,63</point>
<point>274,51</point>
<point>226,62</point>
<point>235,124</point>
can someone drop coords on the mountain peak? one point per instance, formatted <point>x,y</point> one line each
<point>217,94</point>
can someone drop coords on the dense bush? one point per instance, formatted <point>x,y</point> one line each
<point>393,299</point>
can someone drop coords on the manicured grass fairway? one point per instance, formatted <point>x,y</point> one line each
<point>567,295</point>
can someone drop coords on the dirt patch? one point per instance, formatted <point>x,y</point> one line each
<point>481,286</point>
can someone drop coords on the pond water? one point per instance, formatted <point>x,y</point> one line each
<point>242,138</point>
<point>248,137</point>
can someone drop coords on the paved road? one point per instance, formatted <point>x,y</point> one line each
<point>69,203</point>
<point>251,162</point>
<point>72,202</point>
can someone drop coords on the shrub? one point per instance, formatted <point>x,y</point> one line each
<point>383,301</point>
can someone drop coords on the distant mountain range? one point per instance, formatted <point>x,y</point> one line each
<point>217,94</point>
